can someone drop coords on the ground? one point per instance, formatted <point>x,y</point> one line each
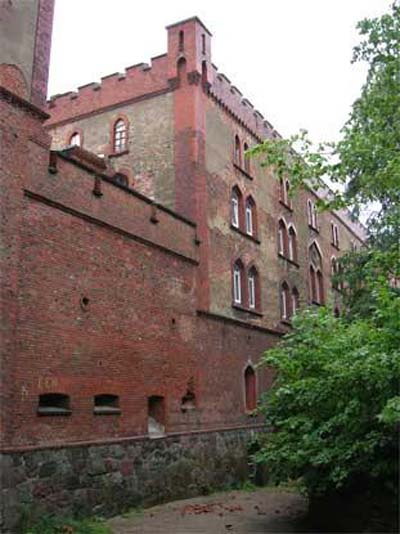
<point>236,512</point>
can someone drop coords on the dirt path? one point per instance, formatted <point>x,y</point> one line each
<point>236,512</point>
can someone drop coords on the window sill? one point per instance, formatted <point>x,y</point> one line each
<point>106,410</point>
<point>287,206</point>
<point>311,227</point>
<point>117,154</point>
<point>53,411</point>
<point>286,322</point>
<point>289,260</point>
<point>244,172</point>
<point>244,234</point>
<point>334,245</point>
<point>247,310</point>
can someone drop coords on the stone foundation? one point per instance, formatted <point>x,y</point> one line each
<point>107,479</point>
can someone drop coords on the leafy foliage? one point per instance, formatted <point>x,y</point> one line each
<point>334,407</point>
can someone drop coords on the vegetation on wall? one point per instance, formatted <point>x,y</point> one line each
<point>334,409</point>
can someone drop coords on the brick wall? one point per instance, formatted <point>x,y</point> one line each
<point>149,158</point>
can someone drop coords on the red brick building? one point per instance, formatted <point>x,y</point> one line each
<point>146,265</point>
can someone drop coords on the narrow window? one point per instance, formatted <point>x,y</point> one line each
<point>237,283</point>
<point>285,308</point>
<point>313,284</point>
<point>249,216</point>
<point>181,41</point>
<point>203,43</point>
<point>282,191</point>
<point>156,416</point>
<point>295,300</point>
<point>288,201</point>
<point>246,158</point>
<point>252,289</point>
<point>315,217</point>
<point>320,287</point>
<point>292,244</point>
<point>75,139</point>
<point>238,152</point>
<point>334,271</point>
<point>336,231</point>
<point>250,389</point>
<point>235,202</point>
<point>54,404</point>
<point>106,404</point>
<point>120,136</point>
<point>310,213</point>
<point>282,238</point>
<point>204,73</point>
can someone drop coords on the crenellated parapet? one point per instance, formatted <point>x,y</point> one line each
<point>136,82</point>
<point>240,108</point>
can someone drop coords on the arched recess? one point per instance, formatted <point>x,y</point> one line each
<point>250,386</point>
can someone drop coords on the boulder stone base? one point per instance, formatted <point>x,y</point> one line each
<point>110,478</point>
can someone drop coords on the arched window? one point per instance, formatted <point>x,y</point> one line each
<point>246,158</point>
<point>292,241</point>
<point>238,282</point>
<point>282,238</point>
<point>75,139</point>
<point>236,207</point>
<point>295,300</point>
<point>285,301</point>
<point>120,136</point>
<point>238,151</point>
<point>253,290</point>
<point>316,277</point>
<point>250,389</point>
<point>250,216</point>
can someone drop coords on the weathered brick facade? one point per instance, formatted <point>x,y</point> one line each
<point>125,289</point>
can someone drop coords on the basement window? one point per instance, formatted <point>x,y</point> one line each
<point>54,404</point>
<point>156,416</point>
<point>106,404</point>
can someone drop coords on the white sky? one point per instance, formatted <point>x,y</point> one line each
<point>290,58</point>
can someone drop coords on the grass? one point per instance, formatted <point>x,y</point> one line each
<point>49,524</point>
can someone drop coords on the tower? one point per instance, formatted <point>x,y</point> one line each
<point>25,40</point>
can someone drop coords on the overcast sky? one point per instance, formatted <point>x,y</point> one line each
<point>290,58</point>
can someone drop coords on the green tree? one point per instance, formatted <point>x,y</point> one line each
<point>334,407</point>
